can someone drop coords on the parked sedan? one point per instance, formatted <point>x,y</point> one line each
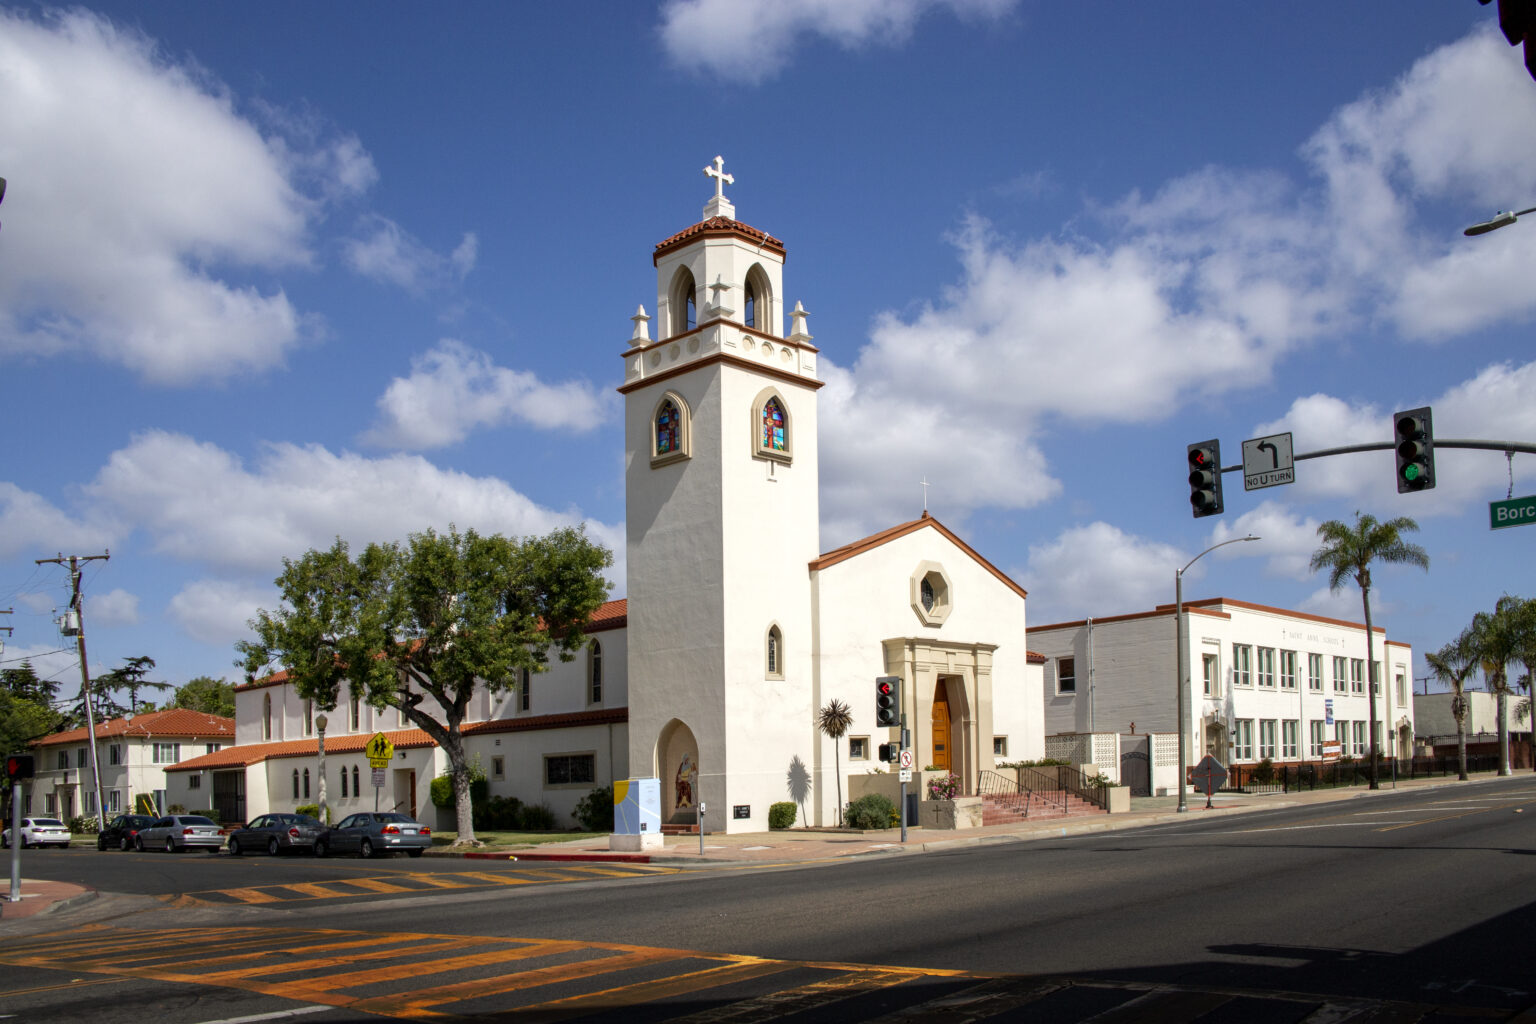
<point>39,832</point>
<point>120,831</point>
<point>275,833</point>
<point>371,832</point>
<point>180,832</point>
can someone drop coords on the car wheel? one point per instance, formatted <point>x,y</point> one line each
<point>365,848</point>
<point>272,847</point>
<point>320,850</point>
<point>101,843</point>
<point>123,844</point>
<point>170,845</point>
<point>414,853</point>
<point>138,843</point>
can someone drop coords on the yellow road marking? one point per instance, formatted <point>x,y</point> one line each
<point>378,885</point>
<point>649,991</point>
<point>1449,817</point>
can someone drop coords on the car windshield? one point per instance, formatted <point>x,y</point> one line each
<point>197,819</point>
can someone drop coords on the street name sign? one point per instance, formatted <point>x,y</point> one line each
<point>1512,512</point>
<point>1268,462</point>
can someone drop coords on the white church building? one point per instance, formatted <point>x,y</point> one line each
<point>736,627</point>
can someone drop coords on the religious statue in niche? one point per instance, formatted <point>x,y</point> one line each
<point>687,773</point>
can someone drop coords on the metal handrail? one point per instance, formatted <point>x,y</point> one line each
<point>1004,792</point>
<point>1062,781</point>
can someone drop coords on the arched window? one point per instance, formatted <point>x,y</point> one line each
<point>749,313</point>
<point>682,300</point>
<point>758,310</point>
<point>309,718</point>
<point>775,653</point>
<point>266,716</point>
<point>355,790</point>
<point>295,783</point>
<point>772,427</point>
<point>595,691</point>
<point>671,430</point>
<point>306,783</point>
<point>525,700</point>
<point>356,713</point>
<point>343,782</point>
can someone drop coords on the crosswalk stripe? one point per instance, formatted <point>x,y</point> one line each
<point>379,885</point>
<point>649,991</point>
<point>326,962</point>
<point>317,890</point>
<point>418,968</point>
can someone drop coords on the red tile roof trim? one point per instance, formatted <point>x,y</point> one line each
<point>718,227</point>
<point>170,724</point>
<point>858,547</point>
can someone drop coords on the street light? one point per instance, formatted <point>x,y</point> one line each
<point>1501,219</point>
<point>1182,663</point>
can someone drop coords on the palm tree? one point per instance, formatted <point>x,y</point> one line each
<point>1495,639</point>
<point>1347,554</point>
<point>833,719</point>
<point>1452,665</point>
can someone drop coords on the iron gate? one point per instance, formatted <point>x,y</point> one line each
<point>1136,764</point>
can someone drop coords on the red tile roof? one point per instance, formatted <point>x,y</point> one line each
<point>858,547</point>
<point>175,722</point>
<point>717,227</point>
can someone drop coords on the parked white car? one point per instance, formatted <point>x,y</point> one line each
<point>39,832</point>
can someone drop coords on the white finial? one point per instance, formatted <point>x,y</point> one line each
<point>721,178</point>
<point>719,206</point>
<point>717,300</point>
<point>925,495</point>
<point>797,331</point>
<point>642,335</point>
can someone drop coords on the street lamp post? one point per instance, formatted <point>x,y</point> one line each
<point>1181,660</point>
<point>320,723</point>
<point>1502,219</point>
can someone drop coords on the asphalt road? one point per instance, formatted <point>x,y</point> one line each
<point>1408,906</point>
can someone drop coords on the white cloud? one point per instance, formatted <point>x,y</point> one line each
<point>1286,541</point>
<point>29,522</point>
<point>752,40</point>
<point>200,504</point>
<point>126,248</point>
<point>114,608</point>
<point>60,663</point>
<point>385,252</point>
<point>454,389</point>
<point>1098,569</point>
<point>217,611</point>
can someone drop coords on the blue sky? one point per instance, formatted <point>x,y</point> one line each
<point>275,273</point>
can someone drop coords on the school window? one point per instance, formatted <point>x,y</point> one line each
<point>1315,673</point>
<point>1340,675</point>
<point>858,748</point>
<point>595,682</point>
<point>1267,667</point>
<point>1242,739</point>
<point>1210,670</point>
<point>1376,678</point>
<point>999,746</point>
<point>1402,690</point>
<point>1357,675</point>
<point>1341,734</point>
<point>167,753</point>
<point>498,767</point>
<point>1242,665</point>
<point>115,754</point>
<point>1287,670</point>
<point>114,801</point>
<point>1359,728</point>
<point>569,769</point>
<point>194,781</point>
<point>1290,736</point>
<point>1315,736</point>
<point>524,701</point>
<point>1066,675</point>
<point>1267,739</point>
<point>1376,736</point>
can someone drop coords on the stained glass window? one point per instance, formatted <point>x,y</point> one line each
<point>667,421</point>
<point>927,589</point>
<point>774,437</point>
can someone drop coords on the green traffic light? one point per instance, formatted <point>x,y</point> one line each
<point>1412,472</point>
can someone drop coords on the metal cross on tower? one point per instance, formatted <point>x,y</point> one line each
<point>721,178</point>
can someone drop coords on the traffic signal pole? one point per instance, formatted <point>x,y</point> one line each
<point>15,896</point>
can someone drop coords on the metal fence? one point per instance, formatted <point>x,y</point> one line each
<point>1292,778</point>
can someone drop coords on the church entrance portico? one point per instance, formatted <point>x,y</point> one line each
<point>947,698</point>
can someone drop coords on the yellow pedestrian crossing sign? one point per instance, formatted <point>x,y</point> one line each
<point>379,750</point>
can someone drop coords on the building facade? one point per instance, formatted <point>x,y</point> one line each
<point>1437,726</point>
<point>1263,682</point>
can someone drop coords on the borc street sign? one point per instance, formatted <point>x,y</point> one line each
<point>1512,512</point>
<point>1268,462</point>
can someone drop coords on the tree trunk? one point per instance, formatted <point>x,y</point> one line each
<point>837,775</point>
<point>463,806</point>
<point>1502,705</point>
<point>1370,685</point>
<point>1461,739</point>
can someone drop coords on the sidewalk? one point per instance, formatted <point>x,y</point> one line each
<point>803,847</point>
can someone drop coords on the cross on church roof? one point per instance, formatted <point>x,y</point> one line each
<point>721,178</point>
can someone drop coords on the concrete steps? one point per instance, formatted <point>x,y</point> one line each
<point>1008,810</point>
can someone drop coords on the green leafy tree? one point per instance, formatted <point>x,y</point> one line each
<point>206,694</point>
<point>1495,639</point>
<point>130,677</point>
<point>833,719</point>
<point>420,626</point>
<point>1452,664</point>
<point>1347,554</point>
<point>104,703</point>
<point>24,682</point>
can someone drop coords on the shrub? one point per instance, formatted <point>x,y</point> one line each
<point>86,824</point>
<point>176,809</point>
<point>1044,762</point>
<point>498,814</point>
<point>1099,780</point>
<point>872,810</point>
<point>944,787</point>
<point>781,815</point>
<point>594,812</point>
<point>1264,772</point>
<point>536,818</point>
<point>210,812</point>
<point>313,810</point>
<point>442,787</point>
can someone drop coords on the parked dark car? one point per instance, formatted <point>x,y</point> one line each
<point>119,833</point>
<point>371,832</point>
<point>275,833</point>
<point>180,832</point>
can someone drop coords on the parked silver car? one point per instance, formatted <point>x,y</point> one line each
<point>180,832</point>
<point>39,832</point>
<point>371,832</point>
<point>275,833</point>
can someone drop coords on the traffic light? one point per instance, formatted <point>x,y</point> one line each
<point>888,700</point>
<point>19,766</point>
<point>890,752</point>
<point>1415,435</point>
<point>1205,478</point>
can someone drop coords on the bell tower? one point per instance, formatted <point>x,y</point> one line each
<point>721,492</point>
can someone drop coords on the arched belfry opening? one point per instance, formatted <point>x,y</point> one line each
<point>757,304</point>
<point>682,303</point>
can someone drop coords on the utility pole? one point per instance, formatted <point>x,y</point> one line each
<point>77,607</point>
